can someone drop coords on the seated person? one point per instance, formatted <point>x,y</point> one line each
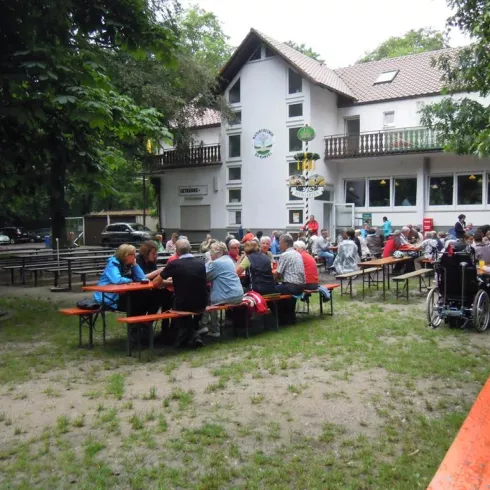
<point>374,243</point>
<point>362,241</point>
<point>291,271</point>
<point>247,237</point>
<point>322,248</point>
<point>188,277</point>
<point>234,250</point>
<point>121,268</point>
<point>170,246</point>
<point>147,259</point>
<point>392,244</point>
<point>265,245</point>
<point>482,251</point>
<point>347,254</point>
<point>206,244</point>
<point>225,284</point>
<point>258,268</point>
<point>158,241</point>
<point>309,263</point>
<point>428,247</point>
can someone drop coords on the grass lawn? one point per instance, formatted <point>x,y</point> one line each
<point>369,399</point>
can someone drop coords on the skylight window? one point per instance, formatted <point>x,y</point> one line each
<point>386,77</point>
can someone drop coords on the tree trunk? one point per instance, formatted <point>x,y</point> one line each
<point>57,201</point>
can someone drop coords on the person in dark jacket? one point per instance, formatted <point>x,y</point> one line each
<point>258,269</point>
<point>188,277</point>
<point>459,227</point>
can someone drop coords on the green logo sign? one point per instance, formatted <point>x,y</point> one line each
<point>263,141</point>
<point>306,134</point>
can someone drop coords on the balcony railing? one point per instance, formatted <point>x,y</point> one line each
<point>376,143</point>
<point>197,156</point>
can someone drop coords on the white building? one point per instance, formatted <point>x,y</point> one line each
<point>375,155</point>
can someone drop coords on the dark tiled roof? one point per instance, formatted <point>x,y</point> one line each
<point>416,76</point>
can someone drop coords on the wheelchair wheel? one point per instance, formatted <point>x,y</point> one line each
<point>431,308</point>
<point>481,310</point>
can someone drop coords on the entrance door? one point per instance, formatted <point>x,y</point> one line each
<point>195,221</point>
<point>343,216</point>
<point>352,130</point>
<point>328,219</point>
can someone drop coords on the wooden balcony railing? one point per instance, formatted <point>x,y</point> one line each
<point>193,157</point>
<point>389,142</point>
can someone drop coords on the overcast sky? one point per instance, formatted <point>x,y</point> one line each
<point>340,30</point>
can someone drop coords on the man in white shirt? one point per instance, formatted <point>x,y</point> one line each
<point>322,248</point>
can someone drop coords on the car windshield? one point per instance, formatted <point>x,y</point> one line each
<point>138,227</point>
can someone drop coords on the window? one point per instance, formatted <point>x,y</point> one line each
<point>355,192</point>
<point>293,170</point>
<point>234,149</point>
<point>236,119</point>
<point>389,119</point>
<point>234,93</point>
<point>379,192</point>
<point>386,77</point>
<point>441,190</point>
<point>294,143</point>
<point>295,216</point>
<point>235,173</point>
<point>234,196</point>
<point>257,54</point>
<point>325,196</point>
<point>235,217</point>
<point>295,110</point>
<point>295,82</point>
<point>405,191</point>
<point>470,189</point>
<point>269,53</point>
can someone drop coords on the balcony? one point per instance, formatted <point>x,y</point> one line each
<point>377,143</point>
<point>197,156</point>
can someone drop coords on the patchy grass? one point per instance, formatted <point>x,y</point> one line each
<point>232,415</point>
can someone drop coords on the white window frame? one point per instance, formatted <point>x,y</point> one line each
<point>439,207</point>
<point>366,188</point>
<point>389,183</point>
<point>228,190</point>
<point>386,77</point>
<point>228,157</point>
<point>232,222</point>
<point>386,124</point>
<point>294,94</point>
<point>485,176</point>
<point>417,197</point>
<point>296,118</point>
<point>236,181</point>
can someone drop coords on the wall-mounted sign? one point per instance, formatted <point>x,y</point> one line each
<point>193,190</point>
<point>306,133</point>
<point>305,188</point>
<point>263,141</point>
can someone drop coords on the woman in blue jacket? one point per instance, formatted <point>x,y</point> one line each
<point>121,268</point>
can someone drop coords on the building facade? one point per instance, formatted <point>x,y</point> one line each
<point>376,158</point>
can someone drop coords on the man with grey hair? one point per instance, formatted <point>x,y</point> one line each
<point>291,272</point>
<point>188,277</point>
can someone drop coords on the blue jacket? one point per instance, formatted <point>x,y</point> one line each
<point>112,275</point>
<point>386,228</point>
<point>275,249</point>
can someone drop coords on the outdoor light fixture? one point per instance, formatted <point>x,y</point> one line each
<point>443,182</point>
<point>479,180</point>
<point>472,177</point>
<point>351,189</point>
<point>397,183</point>
<point>435,186</point>
<point>383,182</point>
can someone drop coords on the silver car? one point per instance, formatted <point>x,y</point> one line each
<point>4,240</point>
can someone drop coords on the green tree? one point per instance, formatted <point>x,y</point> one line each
<point>60,116</point>
<point>412,42</point>
<point>306,50</point>
<point>463,122</point>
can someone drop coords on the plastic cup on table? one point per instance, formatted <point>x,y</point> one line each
<point>481,264</point>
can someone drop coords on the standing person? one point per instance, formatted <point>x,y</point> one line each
<point>225,284</point>
<point>188,277</point>
<point>459,227</point>
<point>386,227</point>
<point>206,244</point>
<point>311,225</point>
<point>248,236</point>
<point>322,248</point>
<point>171,244</point>
<point>347,255</point>
<point>275,249</point>
<point>291,271</point>
<point>309,263</point>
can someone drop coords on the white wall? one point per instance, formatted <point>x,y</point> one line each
<point>209,136</point>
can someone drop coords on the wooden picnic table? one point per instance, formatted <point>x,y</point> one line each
<point>125,289</point>
<point>83,258</point>
<point>385,266</point>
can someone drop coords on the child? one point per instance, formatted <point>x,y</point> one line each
<point>428,247</point>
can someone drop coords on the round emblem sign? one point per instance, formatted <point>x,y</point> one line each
<point>263,141</point>
<point>306,133</point>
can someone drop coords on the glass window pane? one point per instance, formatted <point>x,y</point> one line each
<point>379,193</point>
<point>294,143</point>
<point>470,189</point>
<point>295,110</point>
<point>355,192</point>
<point>235,195</point>
<point>441,190</point>
<point>234,93</point>
<point>269,53</point>
<point>235,173</point>
<point>236,118</point>
<point>295,82</point>
<point>405,192</point>
<point>257,54</point>
<point>238,217</point>
<point>389,118</point>
<point>234,146</point>
<point>295,216</point>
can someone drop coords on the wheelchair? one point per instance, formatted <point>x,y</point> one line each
<point>460,297</point>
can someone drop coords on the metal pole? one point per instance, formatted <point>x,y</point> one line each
<point>144,200</point>
<point>58,254</point>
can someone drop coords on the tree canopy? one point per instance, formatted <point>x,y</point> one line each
<point>464,122</point>
<point>412,42</point>
<point>306,50</point>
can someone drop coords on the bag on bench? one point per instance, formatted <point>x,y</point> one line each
<point>88,304</point>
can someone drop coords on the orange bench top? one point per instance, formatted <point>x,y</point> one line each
<point>77,311</point>
<point>466,464</point>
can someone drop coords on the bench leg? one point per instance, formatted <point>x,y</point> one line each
<point>79,332</point>
<point>102,314</point>
<point>407,289</point>
<point>276,315</point>
<point>396,290</point>
<point>128,341</point>
<point>363,280</point>
<point>320,299</point>
<point>341,287</point>
<point>150,340</point>
<point>331,302</point>
<point>35,278</point>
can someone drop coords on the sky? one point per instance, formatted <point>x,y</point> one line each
<point>340,30</point>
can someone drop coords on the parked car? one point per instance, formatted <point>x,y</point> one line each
<point>117,233</point>
<point>34,236</point>
<point>42,232</point>
<point>15,234</point>
<point>4,240</point>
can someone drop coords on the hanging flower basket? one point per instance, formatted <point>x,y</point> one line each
<point>299,157</point>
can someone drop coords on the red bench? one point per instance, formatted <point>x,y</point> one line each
<point>87,318</point>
